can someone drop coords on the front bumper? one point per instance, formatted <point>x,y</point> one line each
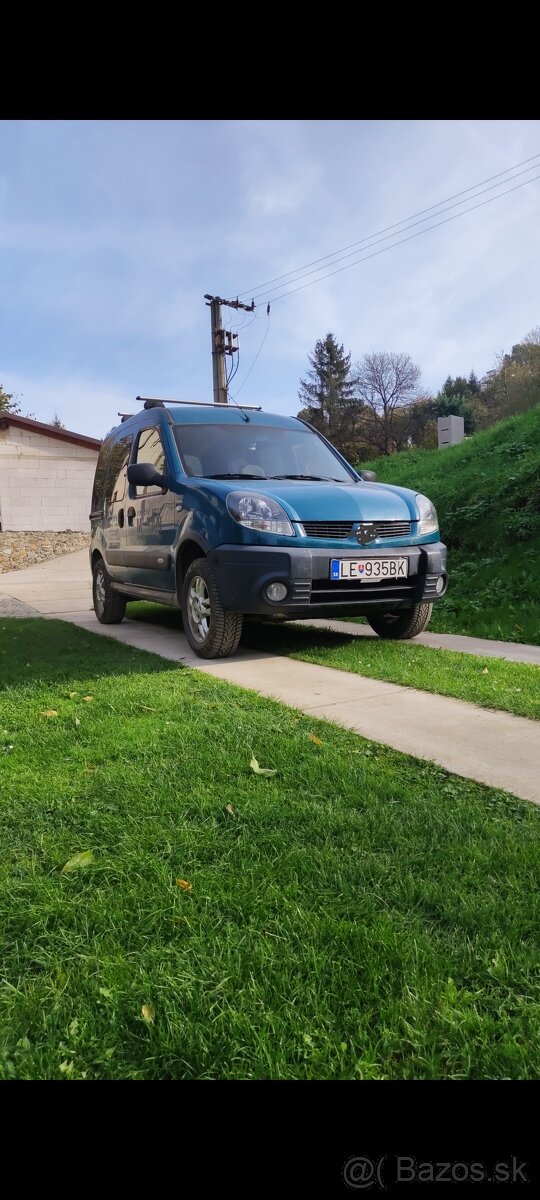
<point>243,572</point>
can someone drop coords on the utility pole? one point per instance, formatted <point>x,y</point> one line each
<point>223,342</point>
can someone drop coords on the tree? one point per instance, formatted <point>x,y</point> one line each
<point>514,385</point>
<point>328,393</point>
<point>385,383</point>
<point>474,384</point>
<point>7,402</point>
<point>56,422</point>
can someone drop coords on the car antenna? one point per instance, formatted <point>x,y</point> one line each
<point>240,410</point>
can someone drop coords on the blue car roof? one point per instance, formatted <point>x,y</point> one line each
<point>227,414</point>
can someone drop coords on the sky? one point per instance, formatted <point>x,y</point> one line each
<point>112,231</point>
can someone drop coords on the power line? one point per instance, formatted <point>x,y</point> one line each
<point>254,360</point>
<point>401,241</point>
<point>326,257</point>
<point>413,225</point>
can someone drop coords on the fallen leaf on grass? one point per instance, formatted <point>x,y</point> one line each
<point>84,859</point>
<point>485,671</point>
<point>149,1013</point>
<point>106,992</point>
<point>88,698</point>
<point>230,810</point>
<point>77,722</point>
<point>318,741</point>
<point>183,883</point>
<point>257,770</point>
<point>73,695</point>
<point>49,712</point>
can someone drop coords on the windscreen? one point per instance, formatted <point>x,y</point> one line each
<point>257,452</point>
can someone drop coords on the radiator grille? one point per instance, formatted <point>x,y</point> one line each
<point>346,529</point>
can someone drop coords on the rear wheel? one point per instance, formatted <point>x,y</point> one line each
<point>109,606</point>
<point>211,630</point>
<point>400,626</point>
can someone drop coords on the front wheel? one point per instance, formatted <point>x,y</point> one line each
<point>109,606</point>
<point>211,630</point>
<point>400,626</point>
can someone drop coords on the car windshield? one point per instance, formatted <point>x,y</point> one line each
<point>257,452</point>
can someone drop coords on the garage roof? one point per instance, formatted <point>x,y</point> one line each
<point>63,435</point>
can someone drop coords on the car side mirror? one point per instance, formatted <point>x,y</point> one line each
<point>368,476</point>
<point>145,475</point>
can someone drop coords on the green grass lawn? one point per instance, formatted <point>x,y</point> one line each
<point>358,915</point>
<point>487,495</point>
<point>489,682</point>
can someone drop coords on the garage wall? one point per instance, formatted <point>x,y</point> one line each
<point>45,483</point>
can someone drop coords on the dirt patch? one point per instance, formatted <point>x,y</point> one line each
<point>18,550</point>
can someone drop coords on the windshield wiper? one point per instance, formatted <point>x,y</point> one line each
<point>315,478</point>
<point>235,475</point>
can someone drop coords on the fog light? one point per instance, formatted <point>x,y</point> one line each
<point>439,586</point>
<point>275,592</point>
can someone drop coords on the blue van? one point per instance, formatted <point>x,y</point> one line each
<point>226,511</point>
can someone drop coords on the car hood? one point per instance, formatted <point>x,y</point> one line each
<point>306,501</point>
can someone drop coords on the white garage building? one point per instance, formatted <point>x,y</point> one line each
<point>46,476</point>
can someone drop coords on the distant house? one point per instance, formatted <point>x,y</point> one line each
<point>46,475</point>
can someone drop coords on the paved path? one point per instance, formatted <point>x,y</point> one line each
<point>512,651</point>
<point>492,747</point>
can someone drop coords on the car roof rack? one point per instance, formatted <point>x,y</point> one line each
<point>125,416</point>
<point>150,402</point>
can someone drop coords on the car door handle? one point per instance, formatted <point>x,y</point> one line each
<point>121,518</point>
<point>131,514</point>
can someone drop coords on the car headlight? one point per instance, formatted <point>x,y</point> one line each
<point>259,512</point>
<point>429,521</point>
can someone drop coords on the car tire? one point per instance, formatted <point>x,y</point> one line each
<point>109,606</point>
<point>211,630</point>
<point>401,626</point>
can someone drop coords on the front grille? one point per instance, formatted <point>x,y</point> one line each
<point>392,529</point>
<point>330,591</point>
<point>328,529</point>
<point>346,529</point>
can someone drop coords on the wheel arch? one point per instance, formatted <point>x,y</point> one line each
<point>187,553</point>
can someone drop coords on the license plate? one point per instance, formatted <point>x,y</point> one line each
<point>369,569</point>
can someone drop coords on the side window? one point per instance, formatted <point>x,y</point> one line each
<point>98,492</point>
<point>150,450</point>
<point>116,474</point>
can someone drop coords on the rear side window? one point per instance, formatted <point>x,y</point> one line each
<point>150,450</point>
<point>116,474</point>
<point>98,493</point>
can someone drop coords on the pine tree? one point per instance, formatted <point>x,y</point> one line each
<point>328,392</point>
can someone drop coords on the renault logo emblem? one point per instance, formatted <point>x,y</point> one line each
<point>366,532</point>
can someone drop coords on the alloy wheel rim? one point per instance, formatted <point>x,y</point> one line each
<point>100,591</point>
<point>199,609</point>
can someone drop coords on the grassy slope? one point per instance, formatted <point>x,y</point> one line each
<point>487,493</point>
<point>362,915</point>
